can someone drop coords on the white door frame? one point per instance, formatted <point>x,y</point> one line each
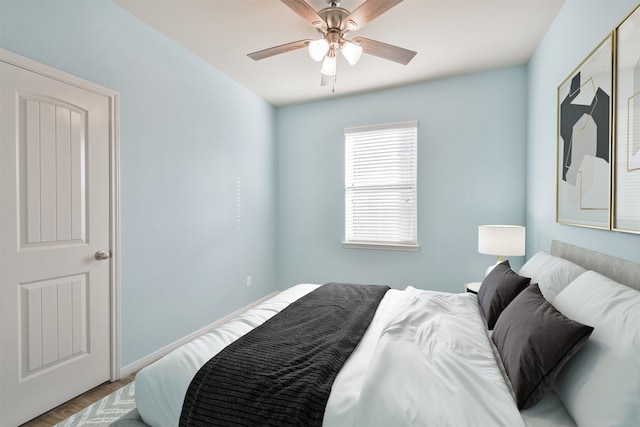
<point>114,190</point>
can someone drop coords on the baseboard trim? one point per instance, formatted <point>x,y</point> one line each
<point>147,360</point>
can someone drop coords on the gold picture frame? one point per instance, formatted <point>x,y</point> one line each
<point>584,136</point>
<point>626,176</point>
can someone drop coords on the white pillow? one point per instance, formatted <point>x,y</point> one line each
<point>551,273</point>
<point>600,385</point>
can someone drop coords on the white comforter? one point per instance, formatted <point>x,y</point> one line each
<point>426,359</point>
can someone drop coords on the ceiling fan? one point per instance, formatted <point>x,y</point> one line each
<point>334,22</point>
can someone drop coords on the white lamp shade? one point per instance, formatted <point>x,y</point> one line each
<point>501,240</point>
<point>318,49</point>
<point>351,51</point>
<point>329,65</point>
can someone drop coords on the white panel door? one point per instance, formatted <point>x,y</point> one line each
<point>54,217</point>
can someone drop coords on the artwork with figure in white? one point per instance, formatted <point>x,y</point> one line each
<point>634,120</point>
<point>627,147</point>
<point>584,142</point>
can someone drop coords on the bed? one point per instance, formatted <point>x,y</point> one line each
<point>556,343</point>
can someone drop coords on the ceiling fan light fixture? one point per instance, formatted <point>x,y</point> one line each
<point>329,64</point>
<point>318,49</point>
<point>333,22</point>
<point>351,51</point>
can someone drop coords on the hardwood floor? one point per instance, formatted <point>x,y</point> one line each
<point>69,408</point>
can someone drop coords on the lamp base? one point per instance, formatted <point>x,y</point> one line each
<point>491,267</point>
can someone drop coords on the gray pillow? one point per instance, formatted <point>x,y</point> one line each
<point>535,341</point>
<point>498,289</point>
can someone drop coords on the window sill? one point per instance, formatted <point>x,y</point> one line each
<point>381,246</point>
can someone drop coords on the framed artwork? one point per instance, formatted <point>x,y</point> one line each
<point>626,204</point>
<point>585,141</point>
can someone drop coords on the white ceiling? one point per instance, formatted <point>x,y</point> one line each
<point>452,37</point>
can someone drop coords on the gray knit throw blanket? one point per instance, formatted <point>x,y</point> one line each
<point>281,373</point>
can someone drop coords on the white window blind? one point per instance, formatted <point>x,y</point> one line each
<point>380,185</point>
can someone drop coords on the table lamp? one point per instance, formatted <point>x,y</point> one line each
<point>501,240</point>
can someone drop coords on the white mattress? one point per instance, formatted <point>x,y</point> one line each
<point>425,359</point>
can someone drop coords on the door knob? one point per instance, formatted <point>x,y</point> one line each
<point>102,255</point>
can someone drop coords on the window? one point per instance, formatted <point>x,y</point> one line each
<point>380,186</point>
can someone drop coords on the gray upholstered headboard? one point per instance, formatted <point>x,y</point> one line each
<point>620,270</point>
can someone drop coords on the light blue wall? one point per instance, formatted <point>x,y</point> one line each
<point>187,134</point>
<point>579,27</point>
<point>471,160</point>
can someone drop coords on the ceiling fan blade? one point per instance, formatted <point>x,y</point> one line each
<point>384,50</point>
<point>368,11</point>
<point>307,13</point>
<point>276,50</point>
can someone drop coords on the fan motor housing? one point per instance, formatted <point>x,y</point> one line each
<point>334,17</point>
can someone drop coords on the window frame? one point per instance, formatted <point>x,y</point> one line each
<point>400,245</point>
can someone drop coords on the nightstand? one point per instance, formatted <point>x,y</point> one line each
<point>472,287</point>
